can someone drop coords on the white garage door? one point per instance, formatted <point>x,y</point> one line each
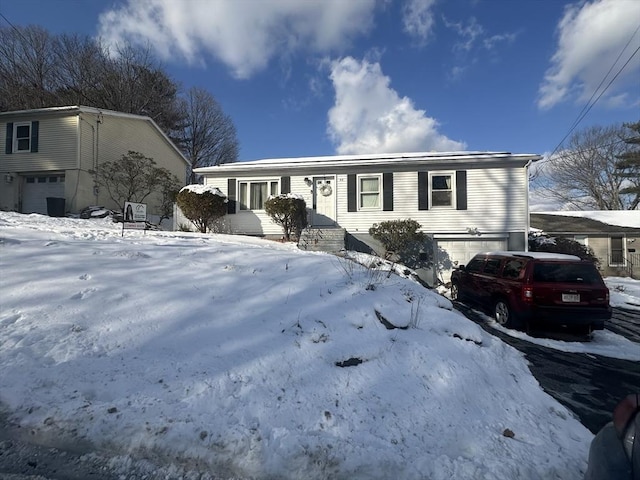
<point>458,252</point>
<point>36,190</point>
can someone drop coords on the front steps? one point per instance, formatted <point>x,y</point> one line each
<point>322,239</point>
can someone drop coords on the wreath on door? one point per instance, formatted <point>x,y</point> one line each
<point>325,190</point>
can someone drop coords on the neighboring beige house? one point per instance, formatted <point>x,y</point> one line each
<point>49,152</point>
<point>465,201</point>
<point>616,246</point>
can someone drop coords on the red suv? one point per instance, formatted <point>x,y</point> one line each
<point>523,289</point>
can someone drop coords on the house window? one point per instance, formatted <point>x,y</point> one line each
<point>581,239</point>
<point>254,194</point>
<point>616,247</point>
<point>369,192</point>
<point>22,137</point>
<point>441,188</point>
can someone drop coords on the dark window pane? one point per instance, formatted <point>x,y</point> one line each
<point>23,144</point>
<point>441,182</point>
<point>22,131</point>
<point>475,265</point>
<point>53,179</point>
<point>617,252</point>
<point>512,268</point>
<point>492,266</point>
<point>564,273</point>
<point>42,179</point>
<point>31,180</point>
<point>441,199</point>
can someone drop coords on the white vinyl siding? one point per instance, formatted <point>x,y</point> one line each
<point>496,199</point>
<point>57,146</point>
<point>496,202</point>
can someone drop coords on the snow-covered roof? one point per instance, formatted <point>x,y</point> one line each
<point>620,218</point>
<point>370,159</point>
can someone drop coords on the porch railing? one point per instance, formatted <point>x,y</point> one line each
<point>626,262</point>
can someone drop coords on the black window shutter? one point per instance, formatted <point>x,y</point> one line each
<point>9,139</point>
<point>231,195</point>
<point>35,127</point>
<point>423,190</point>
<point>352,204</point>
<point>461,190</point>
<point>285,184</point>
<point>387,192</point>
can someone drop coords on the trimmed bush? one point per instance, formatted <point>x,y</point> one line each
<point>202,205</point>
<point>288,211</point>
<point>399,237</point>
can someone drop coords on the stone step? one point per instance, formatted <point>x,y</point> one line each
<point>322,239</point>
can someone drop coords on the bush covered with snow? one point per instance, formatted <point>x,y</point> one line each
<point>541,242</point>
<point>288,211</point>
<point>202,204</point>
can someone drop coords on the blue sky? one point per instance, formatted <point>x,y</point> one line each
<point>324,77</point>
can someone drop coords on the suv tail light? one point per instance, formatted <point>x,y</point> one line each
<point>527,293</point>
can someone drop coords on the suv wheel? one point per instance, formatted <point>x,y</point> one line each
<point>502,313</point>
<point>455,293</point>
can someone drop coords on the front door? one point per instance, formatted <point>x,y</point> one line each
<point>324,201</point>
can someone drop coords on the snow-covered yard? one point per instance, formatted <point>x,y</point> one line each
<point>183,353</point>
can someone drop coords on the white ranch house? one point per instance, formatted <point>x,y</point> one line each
<point>466,201</point>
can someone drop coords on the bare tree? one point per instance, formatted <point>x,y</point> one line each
<point>134,177</point>
<point>209,135</point>
<point>584,174</point>
<point>40,70</point>
<point>27,68</point>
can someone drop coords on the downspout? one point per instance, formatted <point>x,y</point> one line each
<point>99,120</point>
<point>93,150</point>
<point>528,216</point>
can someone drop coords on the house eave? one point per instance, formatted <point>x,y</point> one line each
<point>341,162</point>
<point>78,109</point>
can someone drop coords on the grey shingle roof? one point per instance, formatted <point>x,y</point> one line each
<point>560,224</point>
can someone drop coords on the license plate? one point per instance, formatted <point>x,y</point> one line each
<point>570,297</point>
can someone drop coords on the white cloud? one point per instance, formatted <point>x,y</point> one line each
<point>473,44</point>
<point>417,19</point>
<point>243,34</point>
<point>370,117</point>
<point>469,33</point>
<point>590,37</point>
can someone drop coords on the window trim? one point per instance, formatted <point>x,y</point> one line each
<point>452,189</point>
<point>248,182</point>
<point>15,139</point>
<point>359,193</point>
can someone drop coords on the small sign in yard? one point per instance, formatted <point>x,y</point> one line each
<point>134,216</point>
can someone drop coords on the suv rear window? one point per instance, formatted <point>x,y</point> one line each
<point>512,268</point>
<point>566,273</point>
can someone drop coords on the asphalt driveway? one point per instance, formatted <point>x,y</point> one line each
<point>587,384</point>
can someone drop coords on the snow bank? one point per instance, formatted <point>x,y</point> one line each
<point>246,358</point>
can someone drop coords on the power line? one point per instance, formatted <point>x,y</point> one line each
<point>589,105</point>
